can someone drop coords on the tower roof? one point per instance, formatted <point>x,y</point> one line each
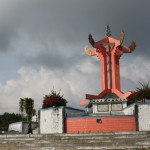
<point>107,40</point>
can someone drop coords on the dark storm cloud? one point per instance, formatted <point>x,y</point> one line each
<point>68,22</point>
<point>53,60</point>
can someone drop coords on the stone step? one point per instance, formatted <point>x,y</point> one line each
<point>79,140</point>
<point>47,143</point>
<point>79,148</point>
<point>101,133</point>
<point>88,137</point>
<point>74,135</point>
<point>77,134</point>
<point>126,140</point>
<point>97,134</point>
<point>73,141</point>
<point>97,137</point>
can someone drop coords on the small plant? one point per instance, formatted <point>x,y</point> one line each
<point>53,99</point>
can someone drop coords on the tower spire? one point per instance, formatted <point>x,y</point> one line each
<point>108,31</point>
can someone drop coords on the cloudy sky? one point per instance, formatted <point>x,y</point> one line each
<point>42,42</point>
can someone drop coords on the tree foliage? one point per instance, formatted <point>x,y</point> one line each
<point>53,99</point>
<point>21,105</point>
<point>7,118</point>
<point>140,93</point>
<point>26,106</point>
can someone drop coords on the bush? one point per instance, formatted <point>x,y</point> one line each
<point>53,99</point>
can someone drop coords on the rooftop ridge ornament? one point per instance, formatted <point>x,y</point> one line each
<point>108,31</point>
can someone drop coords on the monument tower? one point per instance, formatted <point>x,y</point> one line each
<point>108,51</point>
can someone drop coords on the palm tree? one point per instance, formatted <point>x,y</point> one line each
<point>141,93</point>
<point>144,91</point>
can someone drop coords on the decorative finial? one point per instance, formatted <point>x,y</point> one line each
<point>108,32</point>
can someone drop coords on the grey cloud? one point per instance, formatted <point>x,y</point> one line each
<point>55,60</point>
<point>71,21</point>
<point>57,30</point>
<point>54,24</point>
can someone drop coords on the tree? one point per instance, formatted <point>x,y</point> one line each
<point>21,106</point>
<point>26,105</point>
<point>140,93</point>
<point>53,99</point>
<point>8,118</point>
<point>29,104</point>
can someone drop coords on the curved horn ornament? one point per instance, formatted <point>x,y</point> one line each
<point>122,37</point>
<point>87,50</point>
<point>132,46</point>
<point>91,40</point>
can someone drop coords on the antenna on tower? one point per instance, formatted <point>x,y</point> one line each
<point>108,31</point>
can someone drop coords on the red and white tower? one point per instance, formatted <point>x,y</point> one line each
<point>108,51</point>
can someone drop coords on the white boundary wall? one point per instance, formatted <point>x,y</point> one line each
<point>15,127</point>
<point>130,110</point>
<point>144,117</point>
<point>51,120</point>
<point>142,113</point>
<point>21,127</point>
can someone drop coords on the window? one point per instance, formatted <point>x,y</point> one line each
<point>116,107</point>
<point>102,108</point>
<point>99,120</point>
